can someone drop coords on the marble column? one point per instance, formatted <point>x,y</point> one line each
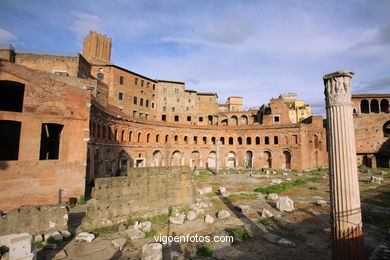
<point>346,218</point>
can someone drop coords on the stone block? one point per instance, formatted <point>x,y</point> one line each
<point>272,196</point>
<point>179,219</point>
<point>284,203</point>
<point>19,245</point>
<point>208,219</point>
<point>243,208</point>
<point>119,243</point>
<point>222,190</point>
<point>276,181</point>
<point>153,251</point>
<point>191,215</point>
<point>85,236</point>
<point>376,179</point>
<point>222,214</point>
<point>134,233</point>
<point>266,214</point>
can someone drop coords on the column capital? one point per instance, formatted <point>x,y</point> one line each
<point>338,88</point>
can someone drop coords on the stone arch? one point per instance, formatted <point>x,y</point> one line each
<point>195,159</point>
<point>385,106</point>
<point>231,160</point>
<point>374,106</point>
<point>249,159</point>
<point>244,120</point>
<point>267,159</point>
<point>386,129</point>
<point>157,160</point>
<point>176,158</point>
<point>234,120</point>
<point>109,133</point>
<point>224,121</point>
<point>211,160</point>
<point>286,159</point>
<point>364,106</point>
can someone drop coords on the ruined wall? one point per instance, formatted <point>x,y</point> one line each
<point>47,99</point>
<point>144,192</point>
<point>34,220</point>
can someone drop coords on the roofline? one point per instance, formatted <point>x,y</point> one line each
<point>170,81</point>
<point>207,93</point>
<point>129,71</point>
<point>369,95</point>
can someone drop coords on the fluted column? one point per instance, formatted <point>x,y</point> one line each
<point>346,218</point>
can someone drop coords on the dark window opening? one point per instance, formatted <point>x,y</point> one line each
<point>166,138</point>
<point>9,140</point>
<point>364,107</point>
<point>11,96</point>
<point>188,118</point>
<point>141,102</point>
<point>204,140</point>
<point>276,118</point>
<point>230,140</point>
<point>120,96</point>
<point>239,139</point>
<point>176,138</point>
<point>248,140</point>
<point>222,140</point>
<point>176,118</point>
<point>185,139</point>
<point>195,140</point>
<point>136,81</point>
<point>384,106</point>
<point>135,100</point>
<point>276,140</point>
<point>266,140</point>
<point>200,119</point>
<point>257,140</point>
<point>213,140</point>
<point>374,106</point>
<point>50,141</point>
<point>147,103</point>
<point>100,76</point>
<point>121,80</point>
<point>163,117</point>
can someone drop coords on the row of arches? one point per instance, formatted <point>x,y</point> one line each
<point>138,137</point>
<point>374,106</point>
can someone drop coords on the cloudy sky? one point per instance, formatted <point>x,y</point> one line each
<point>255,49</point>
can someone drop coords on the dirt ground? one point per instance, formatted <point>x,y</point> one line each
<point>307,227</point>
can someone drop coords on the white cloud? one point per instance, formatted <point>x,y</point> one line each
<point>86,22</point>
<point>6,37</point>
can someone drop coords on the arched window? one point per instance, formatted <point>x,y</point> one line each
<point>239,139</point>
<point>316,142</point>
<point>195,140</point>
<point>176,139</point>
<point>230,140</point>
<point>166,139</point>
<point>266,140</point>
<point>384,106</point>
<point>287,160</point>
<point>386,129</point>
<point>98,131</point>
<point>204,140</point>
<point>157,138</point>
<point>130,136</point>
<point>11,96</point>
<point>116,135</point>
<point>123,135</point>
<point>364,107</point>
<point>148,138</point>
<point>109,133</point>
<point>257,140</point>
<point>276,140</point>
<point>222,140</point>
<point>185,139</point>
<point>100,76</point>
<point>213,140</point>
<point>139,137</point>
<point>374,106</point>
<point>248,140</point>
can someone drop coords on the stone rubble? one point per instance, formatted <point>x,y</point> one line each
<point>191,215</point>
<point>222,214</point>
<point>153,251</point>
<point>179,219</point>
<point>243,208</point>
<point>266,214</point>
<point>272,196</point>
<point>208,219</point>
<point>85,236</point>
<point>276,181</point>
<point>134,234</point>
<point>376,179</point>
<point>119,243</point>
<point>284,203</point>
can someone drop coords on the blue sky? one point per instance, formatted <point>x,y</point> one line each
<point>255,49</point>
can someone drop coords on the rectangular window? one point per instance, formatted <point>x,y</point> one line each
<point>135,81</point>
<point>50,141</point>
<point>276,118</point>
<point>11,96</point>
<point>147,84</point>
<point>152,104</point>
<point>176,118</point>
<point>154,86</point>
<point>147,103</point>
<point>200,119</point>
<point>120,96</point>
<point>173,109</point>
<point>141,102</point>
<point>176,90</point>
<point>135,100</point>
<point>134,113</point>
<point>164,108</point>
<point>142,82</point>
<point>163,117</point>
<point>121,80</point>
<point>146,116</point>
<point>9,140</point>
<point>188,118</point>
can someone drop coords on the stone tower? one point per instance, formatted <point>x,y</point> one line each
<point>97,48</point>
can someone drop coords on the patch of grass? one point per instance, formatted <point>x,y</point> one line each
<point>151,233</point>
<point>37,244</point>
<point>366,185</point>
<point>204,251</point>
<point>81,200</point>
<point>214,200</point>
<point>128,241</point>
<point>241,234</point>
<point>154,219</point>
<point>377,219</point>
<point>278,188</point>
<point>377,202</point>
<point>313,188</point>
<point>242,196</point>
<point>105,230</point>
<point>216,183</point>
<point>265,221</point>
<point>211,194</point>
<point>203,175</point>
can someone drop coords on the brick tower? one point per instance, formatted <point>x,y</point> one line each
<point>97,48</point>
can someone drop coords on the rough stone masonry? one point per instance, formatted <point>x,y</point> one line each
<point>144,192</point>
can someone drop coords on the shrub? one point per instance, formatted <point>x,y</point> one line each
<point>265,221</point>
<point>241,234</point>
<point>204,251</point>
